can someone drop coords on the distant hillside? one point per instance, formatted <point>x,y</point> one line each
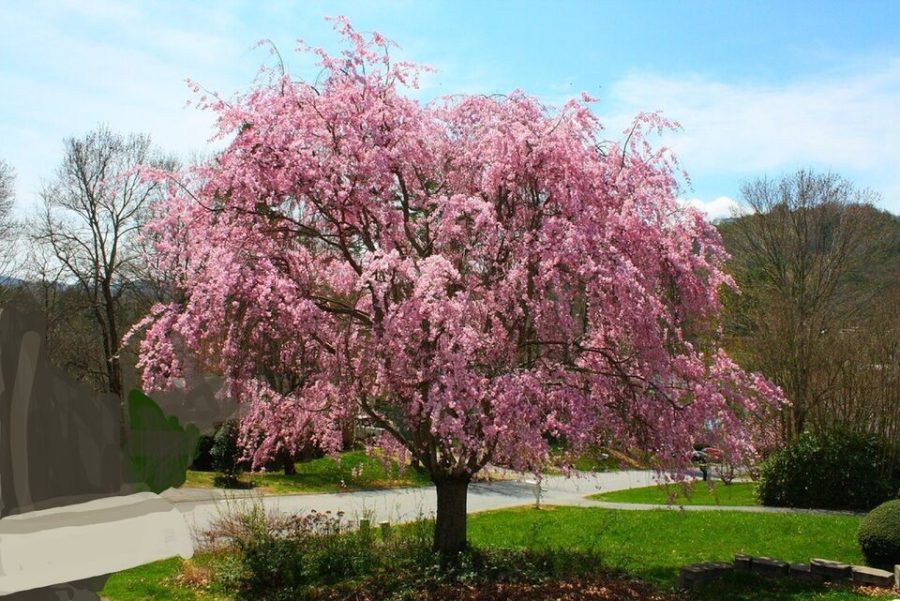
<point>884,269</point>
<point>11,282</point>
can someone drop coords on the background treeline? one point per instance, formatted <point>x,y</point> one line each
<point>77,255</point>
<point>819,310</point>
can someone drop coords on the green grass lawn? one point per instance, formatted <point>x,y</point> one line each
<point>649,545</point>
<point>737,494</point>
<point>354,470</point>
<point>153,581</point>
<point>654,545</point>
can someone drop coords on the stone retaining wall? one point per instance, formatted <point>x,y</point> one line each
<point>817,570</point>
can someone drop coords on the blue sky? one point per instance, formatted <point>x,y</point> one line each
<point>760,88</point>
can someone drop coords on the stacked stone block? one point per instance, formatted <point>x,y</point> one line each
<point>817,570</point>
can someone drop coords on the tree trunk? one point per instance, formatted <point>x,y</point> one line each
<point>111,339</point>
<point>348,434</point>
<point>450,526</point>
<point>288,460</point>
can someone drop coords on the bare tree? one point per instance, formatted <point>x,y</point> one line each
<point>865,358</point>
<point>866,365</point>
<point>802,258</point>
<point>8,236</point>
<point>91,213</point>
<point>7,189</point>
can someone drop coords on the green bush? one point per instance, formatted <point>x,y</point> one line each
<point>270,556</point>
<point>203,462</point>
<point>272,569</point>
<point>225,453</point>
<point>285,556</point>
<point>879,535</point>
<point>837,470</point>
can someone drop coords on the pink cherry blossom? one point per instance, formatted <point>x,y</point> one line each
<point>478,275</point>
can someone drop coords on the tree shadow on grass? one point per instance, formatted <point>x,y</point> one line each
<point>232,482</point>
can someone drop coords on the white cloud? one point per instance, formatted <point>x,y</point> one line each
<point>734,132</point>
<point>853,121</point>
<point>129,74</point>
<point>849,124</point>
<point>78,63</point>
<point>717,208</point>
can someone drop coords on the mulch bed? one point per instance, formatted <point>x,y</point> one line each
<point>600,589</point>
<point>583,589</point>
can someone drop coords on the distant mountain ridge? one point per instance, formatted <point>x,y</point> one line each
<point>12,282</point>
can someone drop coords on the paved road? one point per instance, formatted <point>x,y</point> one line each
<point>201,506</point>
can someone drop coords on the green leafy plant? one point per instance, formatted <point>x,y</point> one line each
<point>879,535</point>
<point>159,449</point>
<point>267,555</point>
<point>273,568</point>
